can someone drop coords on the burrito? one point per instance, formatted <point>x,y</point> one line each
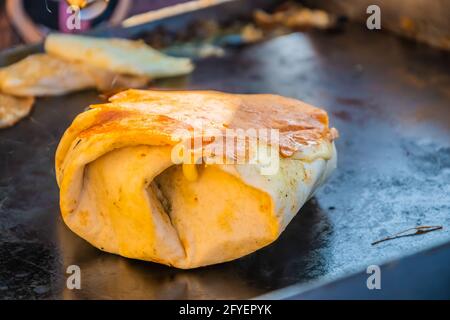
<point>183,178</point>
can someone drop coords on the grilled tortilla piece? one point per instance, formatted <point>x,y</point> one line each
<point>13,109</point>
<point>42,74</point>
<point>121,190</point>
<point>121,56</point>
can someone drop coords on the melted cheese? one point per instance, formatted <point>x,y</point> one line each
<point>190,172</point>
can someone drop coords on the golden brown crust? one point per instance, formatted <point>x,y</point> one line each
<point>165,112</point>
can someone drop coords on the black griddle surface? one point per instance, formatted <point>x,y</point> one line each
<point>388,97</point>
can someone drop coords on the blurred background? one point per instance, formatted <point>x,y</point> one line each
<point>28,21</point>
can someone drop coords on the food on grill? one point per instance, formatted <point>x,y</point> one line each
<point>124,189</point>
<point>42,74</point>
<point>13,109</point>
<point>294,16</point>
<point>106,81</point>
<point>72,63</point>
<point>120,56</point>
<point>202,37</point>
